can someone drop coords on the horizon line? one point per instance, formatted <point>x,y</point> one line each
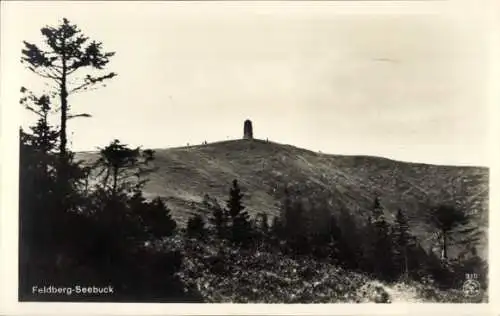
<point>318,152</point>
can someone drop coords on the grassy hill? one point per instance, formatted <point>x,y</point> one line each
<point>184,175</point>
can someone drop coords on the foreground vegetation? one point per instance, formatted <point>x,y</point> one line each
<point>221,273</point>
<point>91,224</point>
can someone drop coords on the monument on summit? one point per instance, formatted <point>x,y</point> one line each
<point>248,130</point>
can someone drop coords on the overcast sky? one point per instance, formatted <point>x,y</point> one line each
<point>405,80</point>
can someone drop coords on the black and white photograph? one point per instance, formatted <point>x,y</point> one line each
<point>331,152</point>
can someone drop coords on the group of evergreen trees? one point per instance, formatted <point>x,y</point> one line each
<point>312,227</point>
<point>86,224</point>
<point>232,222</point>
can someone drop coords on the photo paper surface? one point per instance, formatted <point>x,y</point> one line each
<point>203,157</point>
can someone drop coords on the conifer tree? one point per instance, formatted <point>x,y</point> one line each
<point>401,237</point>
<point>350,241</point>
<point>240,222</point>
<point>335,238</point>
<point>296,225</point>
<point>158,220</point>
<point>67,52</point>
<point>320,229</point>
<point>381,252</point>
<point>43,137</point>
<point>234,204</point>
<point>36,171</point>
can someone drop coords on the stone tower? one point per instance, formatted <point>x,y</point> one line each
<point>248,130</point>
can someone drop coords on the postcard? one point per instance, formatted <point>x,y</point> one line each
<point>253,157</point>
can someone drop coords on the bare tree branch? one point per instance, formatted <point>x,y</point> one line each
<point>78,115</point>
<point>89,81</point>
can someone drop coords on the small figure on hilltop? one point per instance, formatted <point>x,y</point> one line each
<point>248,130</point>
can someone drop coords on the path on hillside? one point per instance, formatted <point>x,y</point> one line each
<point>378,292</point>
<point>400,294</point>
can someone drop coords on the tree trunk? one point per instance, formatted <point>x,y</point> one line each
<point>444,255</point>
<point>406,265</point>
<point>62,172</point>
<point>64,111</point>
<point>115,180</point>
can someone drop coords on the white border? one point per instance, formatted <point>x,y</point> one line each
<point>9,116</point>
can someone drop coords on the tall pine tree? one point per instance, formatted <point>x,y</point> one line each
<point>381,252</point>
<point>240,222</point>
<point>67,52</point>
<point>401,237</point>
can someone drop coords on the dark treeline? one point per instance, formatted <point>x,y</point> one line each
<point>312,227</point>
<point>89,224</point>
